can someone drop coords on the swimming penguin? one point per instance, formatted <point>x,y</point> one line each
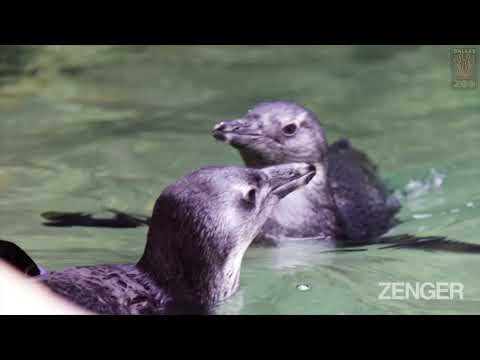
<point>200,229</point>
<point>346,199</point>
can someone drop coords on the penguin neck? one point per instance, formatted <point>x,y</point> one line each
<point>254,160</point>
<point>200,280</point>
<point>259,161</point>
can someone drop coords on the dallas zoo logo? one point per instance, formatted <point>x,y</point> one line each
<point>464,68</point>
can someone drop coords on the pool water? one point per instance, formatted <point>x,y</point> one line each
<point>84,128</point>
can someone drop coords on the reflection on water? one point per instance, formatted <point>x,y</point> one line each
<point>84,128</point>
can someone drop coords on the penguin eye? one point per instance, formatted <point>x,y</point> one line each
<point>290,129</point>
<point>253,116</point>
<point>251,196</point>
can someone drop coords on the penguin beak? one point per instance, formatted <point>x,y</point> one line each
<point>236,132</point>
<point>287,178</point>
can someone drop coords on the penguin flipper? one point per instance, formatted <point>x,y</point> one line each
<point>425,243</point>
<point>80,219</point>
<point>361,158</point>
<point>16,257</point>
<point>429,243</point>
<point>365,206</point>
<point>405,241</point>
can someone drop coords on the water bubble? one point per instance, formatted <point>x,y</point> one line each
<point>303,287</point>
<point>454,211</point>
<point>470,204</point>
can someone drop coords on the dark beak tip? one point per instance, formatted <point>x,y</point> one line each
<point>218,135</point>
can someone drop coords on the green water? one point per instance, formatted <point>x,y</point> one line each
<point>84,128</point>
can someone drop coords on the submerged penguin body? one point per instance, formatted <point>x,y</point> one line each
<point>109,289</point>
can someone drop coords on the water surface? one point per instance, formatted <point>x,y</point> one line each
<point>84,128</point>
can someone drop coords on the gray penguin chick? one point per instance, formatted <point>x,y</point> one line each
<point>200,229</point>
<point>346,200</point>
